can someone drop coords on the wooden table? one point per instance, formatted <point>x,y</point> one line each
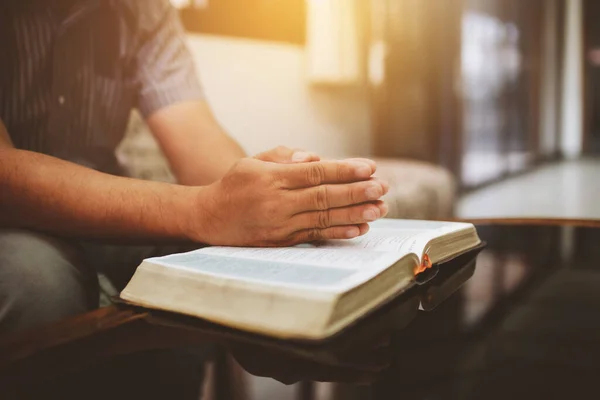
<point>527,323</point>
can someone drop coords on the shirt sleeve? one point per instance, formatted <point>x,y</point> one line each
<point>165,68</point>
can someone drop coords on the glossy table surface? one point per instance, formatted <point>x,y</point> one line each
<point>521,322</point>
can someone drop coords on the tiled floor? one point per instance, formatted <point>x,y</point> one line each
<point>562,190</point>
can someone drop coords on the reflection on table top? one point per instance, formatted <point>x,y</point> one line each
<point>525,324</point>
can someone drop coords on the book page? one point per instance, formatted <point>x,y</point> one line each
<point>312,268</point>
<point>353,259</point>
<point>257,270</point>
<point>412,224</point>
<point>399,236</point>
<point>336,262</point>
<point>381,240</point>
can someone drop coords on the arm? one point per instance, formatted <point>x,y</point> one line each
<point>255,203</point>
<point>172,101</point>
<point>198,150</point>
<point>43,193</point>
<point>48,194</point>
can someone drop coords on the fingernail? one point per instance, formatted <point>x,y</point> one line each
<point>384,210</point>
<point>370,215</point>
<point>373,192</point>
<point>365,229</point>
<point>300,156</point>
<point>385,186</point>
<point>367,161</point>
<point>362,170</point>
<point>352,232</point>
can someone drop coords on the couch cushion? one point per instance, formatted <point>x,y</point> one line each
<point>418,190</point>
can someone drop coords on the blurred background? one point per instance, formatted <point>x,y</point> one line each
<point>501,96</point>
<point>474,108</point>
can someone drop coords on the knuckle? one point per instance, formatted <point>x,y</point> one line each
<point>354,195</point>
<point>323,219</point>
<point>269,176</point>
<point>315,174</point>
<point>314,234</point>
<point>321,198</point>
<point>340,172</point>
<point>274,177</point>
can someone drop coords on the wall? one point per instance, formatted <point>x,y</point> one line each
<point>258,91</point>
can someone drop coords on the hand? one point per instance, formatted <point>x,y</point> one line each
<point>285,155</point>
<point>261,203</point>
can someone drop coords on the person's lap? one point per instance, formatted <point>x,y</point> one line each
<point>44,279</point>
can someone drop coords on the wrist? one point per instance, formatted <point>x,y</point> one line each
<point>182,203</point>
<point>195,214</point>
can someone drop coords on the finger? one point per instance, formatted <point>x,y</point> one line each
<point>286,155</point>
<point>300,156</point>
<point>372,163</point>
<point>276,154</point>
<point>296,176</point>
<point>386,186</point>
<point>324,197</point>
<point>353,215</point>
<point>364,228</point>
<point>316,234</point>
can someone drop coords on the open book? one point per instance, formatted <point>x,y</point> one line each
<point>306,292</point>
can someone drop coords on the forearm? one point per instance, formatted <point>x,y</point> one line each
<point>47,194</point>
<point>206,159</point>
<point>198,149</point>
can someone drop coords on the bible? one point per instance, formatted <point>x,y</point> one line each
<point>310,291</point>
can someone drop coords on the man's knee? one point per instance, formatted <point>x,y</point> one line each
<point>42,279</point>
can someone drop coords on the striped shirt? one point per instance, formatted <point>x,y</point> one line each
<point>71,71</point>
